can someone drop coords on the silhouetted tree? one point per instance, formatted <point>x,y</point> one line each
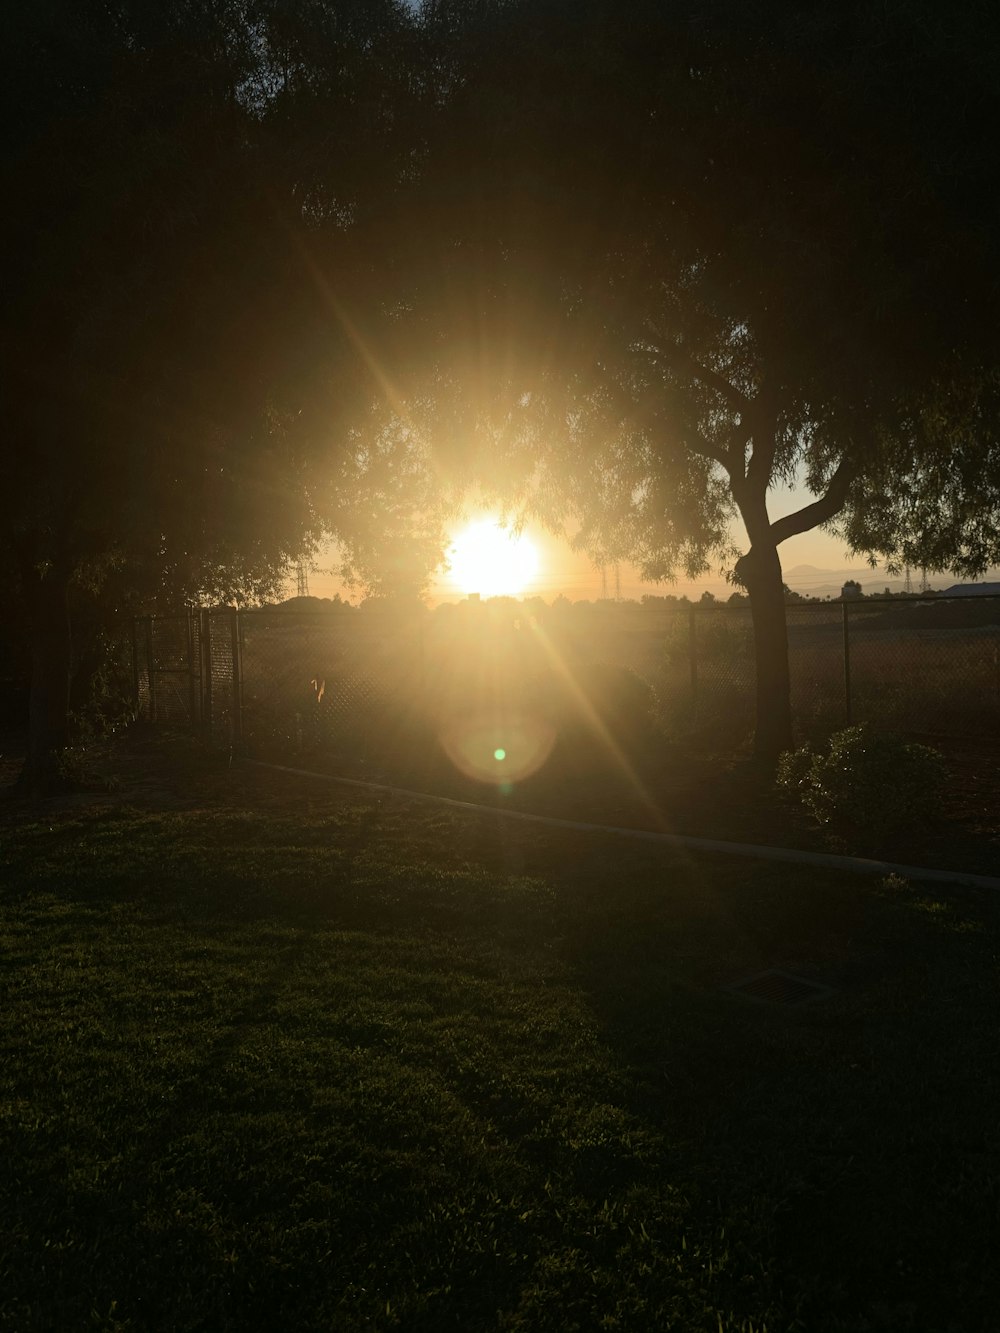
<point>708,251</point>
<point>189,235</point>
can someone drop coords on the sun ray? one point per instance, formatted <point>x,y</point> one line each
<point>597,725</point>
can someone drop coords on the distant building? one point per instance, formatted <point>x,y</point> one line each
<point>972,590</point>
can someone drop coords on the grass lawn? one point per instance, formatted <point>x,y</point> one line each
<point>296,1059</point>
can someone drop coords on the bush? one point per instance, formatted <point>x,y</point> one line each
<point>867,784</point>
<point>592,701</point>
<point>794,769</point>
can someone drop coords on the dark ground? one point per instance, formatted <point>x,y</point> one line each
<point>257,1020</point>
<point>724,796</point>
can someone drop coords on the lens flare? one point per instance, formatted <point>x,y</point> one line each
<point>498,749</point>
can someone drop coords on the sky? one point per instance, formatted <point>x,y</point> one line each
<point>815,563</point>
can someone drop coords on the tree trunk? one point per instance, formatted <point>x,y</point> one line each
<point>760,572</point>
<point>48,703</point>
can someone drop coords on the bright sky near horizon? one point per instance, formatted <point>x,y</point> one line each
<point>563,571</point>
<point>815,564</point>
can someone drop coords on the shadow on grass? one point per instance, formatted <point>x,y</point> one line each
<point>368,1066</point>
<point>854,1138</point>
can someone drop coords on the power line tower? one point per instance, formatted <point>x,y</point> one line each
<point>301,579</point>
<point>924,585</point>
<point>907,581</point>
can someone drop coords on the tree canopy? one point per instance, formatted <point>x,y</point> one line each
<point>195,189</point>
<point>707,252</point>
<point>633,265</point>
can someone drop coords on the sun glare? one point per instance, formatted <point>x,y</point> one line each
<point>486,558</point>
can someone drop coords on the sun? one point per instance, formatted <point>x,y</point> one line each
<point>488,559</point>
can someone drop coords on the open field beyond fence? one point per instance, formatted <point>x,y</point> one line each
<point>361,682</point>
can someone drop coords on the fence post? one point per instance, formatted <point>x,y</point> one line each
<point>693,651</point>
<point>150,669</point>
<point>134,644</point>
<point>237,713</point>
<point>847,660</point>
<point>205,645</point>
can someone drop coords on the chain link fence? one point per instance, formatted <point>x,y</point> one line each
<point>331,682</point>
<point>927,666</point>
<point>361,682</point>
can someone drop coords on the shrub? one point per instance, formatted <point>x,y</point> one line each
<point>593,698</point>
<point>794,768</point>
<point>725,640</point>
<point>869,783</point>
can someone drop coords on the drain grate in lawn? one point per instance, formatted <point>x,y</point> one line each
<point>776,987</point>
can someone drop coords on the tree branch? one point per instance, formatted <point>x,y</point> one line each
<point>736,398</point>
<point>763,421</point>
<point>640,412</point>
<point>758,417</point>
<point>700,445</point>
<point>821,510</point>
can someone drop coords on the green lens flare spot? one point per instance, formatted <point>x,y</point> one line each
<point>499,755</point>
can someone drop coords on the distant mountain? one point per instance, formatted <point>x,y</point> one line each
<point>813,582</point>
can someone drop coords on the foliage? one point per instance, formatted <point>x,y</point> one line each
<point>794,768</point>
<point>600,702</point>
<point>706,261</point>
<point>700,259</point>
<point>868,783</point>
<point>724,639</point>
<point>191,280</point>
